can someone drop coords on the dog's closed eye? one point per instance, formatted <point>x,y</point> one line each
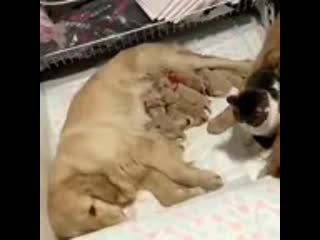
<point>92,211</point>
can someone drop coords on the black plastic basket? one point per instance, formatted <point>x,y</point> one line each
<point>110,45</point>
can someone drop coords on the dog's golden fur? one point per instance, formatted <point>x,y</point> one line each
<point>105,155</point>
<point>269,57</point>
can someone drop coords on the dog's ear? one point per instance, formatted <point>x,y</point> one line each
<point>232,100</point>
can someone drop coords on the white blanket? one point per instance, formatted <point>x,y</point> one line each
<point>242,212</point>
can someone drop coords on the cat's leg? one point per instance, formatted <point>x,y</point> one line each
<point>258,146</point>
<point>273,162</point>
<point>167,191</point>
<point>270,169</point>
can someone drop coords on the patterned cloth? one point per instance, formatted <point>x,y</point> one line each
<point>250,211</point>
<point>51,35</point>
<point>95,20</point>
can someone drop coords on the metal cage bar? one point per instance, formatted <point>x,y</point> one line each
<point>151,32</point>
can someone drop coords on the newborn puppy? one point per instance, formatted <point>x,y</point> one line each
<point>173,107</point>
<point>189,78</point>
<point>219,82</point>
<point>192,97</point>
<point>165,124</point>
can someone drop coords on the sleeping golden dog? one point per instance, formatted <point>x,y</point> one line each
<point>106,155</point>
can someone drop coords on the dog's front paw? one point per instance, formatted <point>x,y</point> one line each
<point>221,122</point>
<point>211,181</point>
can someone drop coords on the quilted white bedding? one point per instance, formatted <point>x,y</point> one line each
<point>241,212</point>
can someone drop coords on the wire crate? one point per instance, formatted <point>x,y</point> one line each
<point>148,33</point>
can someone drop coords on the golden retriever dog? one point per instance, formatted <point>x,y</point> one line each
<point>106,155</point>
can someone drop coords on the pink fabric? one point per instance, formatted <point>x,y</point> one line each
<point>50,31</point>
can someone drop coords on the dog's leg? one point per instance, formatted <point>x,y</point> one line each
<point>126,174</point>
<point>273,165</point>
<point>197,61</point>
<point>128,191</point>
<point>167,158</point>
<point>221,122</point>
<point>189,176</point>
<point>168,192</point>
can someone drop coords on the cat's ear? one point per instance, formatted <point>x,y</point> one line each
<point>232,100</point>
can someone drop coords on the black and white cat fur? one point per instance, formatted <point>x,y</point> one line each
<point>257,108</point>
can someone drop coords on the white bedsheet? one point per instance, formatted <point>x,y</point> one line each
<point>248,211</point>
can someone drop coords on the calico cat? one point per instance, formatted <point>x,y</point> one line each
<point>266,69</point>
<point>257,108</point>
